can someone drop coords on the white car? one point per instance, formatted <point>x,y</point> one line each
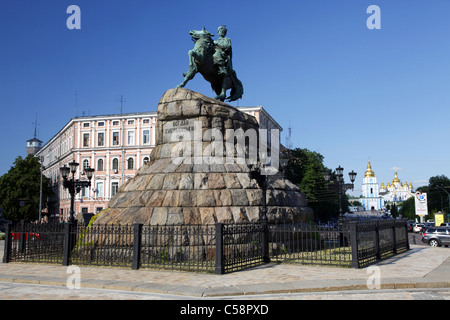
<point>417,227</point>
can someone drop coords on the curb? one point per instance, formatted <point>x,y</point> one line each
<point>224,291</point>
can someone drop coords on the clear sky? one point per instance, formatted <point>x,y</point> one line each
<point>348,92</point>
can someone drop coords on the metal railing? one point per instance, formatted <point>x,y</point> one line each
<point>219,248</point>
<point>318,244</point>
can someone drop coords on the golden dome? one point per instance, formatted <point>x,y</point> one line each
<point>382,186</point>
<point>410,185</point>
<point>369,173</point>
<point>396,180</point>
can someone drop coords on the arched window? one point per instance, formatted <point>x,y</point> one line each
<point>130,163</point>
<point>146,159</point>
<point>100,165</point>
<point>85,164</point>
<point>115,164</point>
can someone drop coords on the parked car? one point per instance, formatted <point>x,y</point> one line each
<point>418,227</point>
<point>445,224</point>
<point>427,226</point>
<point>437,236</point>
<point>28,236</point>
<point>410,225</point>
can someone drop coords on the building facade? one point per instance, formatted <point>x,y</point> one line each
<point>116,146</point>
<point>396,191</point>
<point>371,199</point>
<point>375,197</point>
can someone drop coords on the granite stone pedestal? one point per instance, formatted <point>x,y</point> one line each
<point>186,183</point>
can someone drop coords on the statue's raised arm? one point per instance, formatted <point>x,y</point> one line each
<point>213,59</point>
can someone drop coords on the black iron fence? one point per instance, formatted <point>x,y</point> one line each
<point>219,248</point>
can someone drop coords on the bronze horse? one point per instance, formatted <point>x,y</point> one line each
<point>202,60</point>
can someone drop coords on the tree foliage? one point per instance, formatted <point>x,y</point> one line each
<point>305,169</point>
<point>20,190</point>
<point>408,209</point>
<point>437,191</point>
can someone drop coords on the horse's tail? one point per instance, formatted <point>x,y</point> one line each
<point>237,90</point>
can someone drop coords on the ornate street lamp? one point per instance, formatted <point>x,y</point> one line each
<point>339,183</point>
<point>341,188</point>
<point>261,180</point>
<point>74,186</point>
<point>258,173</point>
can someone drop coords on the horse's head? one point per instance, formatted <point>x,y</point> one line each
<point>200,34</point>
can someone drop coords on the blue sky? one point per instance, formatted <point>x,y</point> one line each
<point>347,92</point>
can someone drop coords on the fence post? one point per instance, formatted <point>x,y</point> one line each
<point>265,242</point>
<point>377,240</point>
<point>22,233</point>
<point>137,244</point>
<point>394,238</point>
<point>8,242</point>
<point>407,234</point>
<point>219,267</point>
<point>353,229</point>
<point>68,226</point>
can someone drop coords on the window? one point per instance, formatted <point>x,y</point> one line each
<point>130,138</point>
<point>100,165</point>
<point>146,159</point>
<point>146,137</point>
<point>84,192</point>
<point>114,188</point>
<point>98,209</point>
<point>130,121</point>
<point>115,138</point>
<point>85,139</point>
<point>101,139</point>
<point>85,164</point>
<point>86,125</point>
<point>99,189</point>
<point>84,210</point>
<point>101,124</point>
<point>115,123</point>
<point>146,121</point>
<point>115,164</point>
<point>130,164</point>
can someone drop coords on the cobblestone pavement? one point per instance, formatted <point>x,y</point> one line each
<point>422,267</point>
<point>14,291</point>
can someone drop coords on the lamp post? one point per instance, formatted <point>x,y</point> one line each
<point>340,185</point>
<point>440,186</point>
<point>74,186</point>
<point>261,180</point>
<point>258,173</point>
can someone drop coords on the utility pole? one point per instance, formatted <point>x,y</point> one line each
<point>121,100</point>
<point>448,194</point>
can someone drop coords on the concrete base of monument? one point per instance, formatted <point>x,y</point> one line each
<point>193,179</point>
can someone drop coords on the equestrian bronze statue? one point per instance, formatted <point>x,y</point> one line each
<point>213,60</point>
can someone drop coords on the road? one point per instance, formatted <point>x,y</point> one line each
<point>415,238</point>
<point>22,291</point>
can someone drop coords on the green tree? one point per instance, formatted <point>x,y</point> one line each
<point>437,194</point>
<point>394,210</point>
<point>408,209</point>
<point>20,190</point>
<point>305,169</point>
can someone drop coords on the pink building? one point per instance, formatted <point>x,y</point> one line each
<point>116,146</point>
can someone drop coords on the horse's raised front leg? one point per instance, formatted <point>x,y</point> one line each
<point>192,71</point>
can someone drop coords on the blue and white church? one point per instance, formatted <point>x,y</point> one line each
<point>371,199</point>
